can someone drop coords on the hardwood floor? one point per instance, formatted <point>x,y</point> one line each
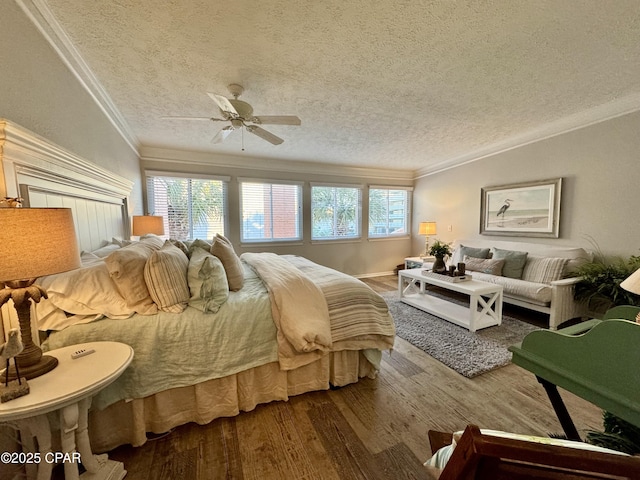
<point>375,429</point>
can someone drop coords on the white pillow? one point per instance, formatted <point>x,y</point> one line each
<point>85,291</point>
<point>544,269</point>
<point>126,267</point>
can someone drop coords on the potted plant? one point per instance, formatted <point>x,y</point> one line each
<point>599,285</point>
<point>439,250</point>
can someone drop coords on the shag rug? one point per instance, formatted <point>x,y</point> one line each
<point>470,354</point>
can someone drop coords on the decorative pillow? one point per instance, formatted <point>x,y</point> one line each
<point>181,245</point>
<point>199,243</point>
<point>544,269</point>
<point>88,290</point>
<point>474,252</point>
<point>106,250</point>
<point>126,267</point>
<point>207,281</point>
<point>223,249</point>
<point>165,274</point>
<point>513,262</point>
<point>484,265</point>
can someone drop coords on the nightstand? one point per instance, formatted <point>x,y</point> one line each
<point>66,392</point>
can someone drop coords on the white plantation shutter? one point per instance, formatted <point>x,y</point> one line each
<point>335,212</point>
<point>191,207</point>
<point>389,211</point>
<point>271,212</point>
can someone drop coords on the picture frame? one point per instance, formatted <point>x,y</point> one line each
<point>530,209</point>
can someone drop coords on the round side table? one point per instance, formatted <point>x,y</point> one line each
<point>67,390</point>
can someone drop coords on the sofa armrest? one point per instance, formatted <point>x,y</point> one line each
<point>566,281</point>
<point>563,304</point>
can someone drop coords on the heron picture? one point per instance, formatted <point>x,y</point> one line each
<point>525,209</point>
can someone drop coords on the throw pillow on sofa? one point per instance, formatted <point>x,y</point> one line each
<point>514,262</point>
<point>484,265</point>
<point>544,269</point>
<point>473,252</point>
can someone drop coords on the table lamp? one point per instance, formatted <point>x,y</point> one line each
<point>427,229</point>
<point>144,224</point>
<point>632,284</point>
<point>33,242</point>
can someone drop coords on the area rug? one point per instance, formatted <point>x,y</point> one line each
<point>468,353</point>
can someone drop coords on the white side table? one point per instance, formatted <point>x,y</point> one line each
<point>68,390</point>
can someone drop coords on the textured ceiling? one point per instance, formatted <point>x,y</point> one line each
<point>403,84</point>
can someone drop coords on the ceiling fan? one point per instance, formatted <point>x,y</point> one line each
<point>240,114</point>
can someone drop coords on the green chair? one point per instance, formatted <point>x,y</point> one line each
<point>624,312</point>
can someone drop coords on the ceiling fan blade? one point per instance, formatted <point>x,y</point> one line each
<point>277,120</point>
<point>212,119</point>
<point>262,133</point>
<point>224,105</point>
<point>222,134</point>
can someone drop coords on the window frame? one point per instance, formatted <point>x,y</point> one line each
<point>407,216</point>
<point>270,241</point>
<point>359,208</point>
<point>190,176</point>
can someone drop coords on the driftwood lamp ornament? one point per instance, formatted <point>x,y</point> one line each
<point>33,242</point>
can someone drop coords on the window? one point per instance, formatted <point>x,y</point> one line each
<point>388,211</point>
<point>192,207</point>
<point>335,212</point>
<point>271,212</point>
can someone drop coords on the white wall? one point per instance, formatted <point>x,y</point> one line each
<point>600,167</point>
<point>39,93</point>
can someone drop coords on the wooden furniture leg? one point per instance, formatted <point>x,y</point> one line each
<point>561,410</point>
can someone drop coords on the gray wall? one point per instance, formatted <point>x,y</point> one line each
<point>39,93</point>
<point>600,167</point>
<point>357,257</point>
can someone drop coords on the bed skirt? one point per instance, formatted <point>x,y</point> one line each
<point>127,422</point>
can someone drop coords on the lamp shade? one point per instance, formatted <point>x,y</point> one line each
<point>143,224</point>
<point>36,242</point>
<point>632,282</point>
<point>427,228</point>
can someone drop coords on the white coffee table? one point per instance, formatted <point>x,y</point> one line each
<point>67,390</point>
<point>487,296</point>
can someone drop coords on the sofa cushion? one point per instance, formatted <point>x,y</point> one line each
<point>543,270</point>
<point>474,252</point>
<point>484,265</point>
<point>514,262</point>
<point>538,293</point>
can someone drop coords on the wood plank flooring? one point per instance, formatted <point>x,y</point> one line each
<point>375,429</point>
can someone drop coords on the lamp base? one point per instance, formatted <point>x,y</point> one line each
<point>42,366</point>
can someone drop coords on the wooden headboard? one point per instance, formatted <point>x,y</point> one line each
<point>46,175</point>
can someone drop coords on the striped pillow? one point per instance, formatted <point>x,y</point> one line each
<point>544,269</point>
<point>165,274</point>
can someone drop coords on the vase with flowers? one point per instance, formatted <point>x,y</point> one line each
<point>439,250</point>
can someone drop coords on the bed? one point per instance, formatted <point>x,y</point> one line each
<point>261,354</point>
<point>292,327</point>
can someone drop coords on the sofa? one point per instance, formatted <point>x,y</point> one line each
<point>536,276</point>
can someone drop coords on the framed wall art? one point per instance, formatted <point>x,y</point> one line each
<point>530,209</point>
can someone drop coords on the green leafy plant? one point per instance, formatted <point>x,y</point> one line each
<point>600,283</point>
<point>618,435</point>
<point>440,249</point>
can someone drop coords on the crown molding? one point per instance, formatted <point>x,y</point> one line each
<point>186,157</point>
<point>41,16</point>
<point>586,118</point>
<point>24,154</point>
